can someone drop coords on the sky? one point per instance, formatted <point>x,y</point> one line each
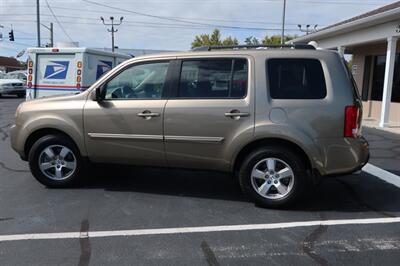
<point>165,24</point>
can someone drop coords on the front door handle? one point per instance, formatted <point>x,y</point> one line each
<point>148,114</point>
<point>236,114</point>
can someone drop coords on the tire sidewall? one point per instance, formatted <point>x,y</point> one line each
<point>39,146</point>
<point>283,154</point>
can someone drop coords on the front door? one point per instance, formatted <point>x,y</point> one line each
<point>211,108</point>
<point>127,126</point>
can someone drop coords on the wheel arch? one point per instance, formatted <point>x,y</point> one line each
<point>39,133</point>
<point>270,141</point>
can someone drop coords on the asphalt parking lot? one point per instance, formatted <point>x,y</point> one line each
<point>136,216</point>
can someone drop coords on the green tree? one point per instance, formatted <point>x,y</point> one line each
<point>251,41</point>
<point>276,39</point>
<point>230,41</point>
<point>213,39</point>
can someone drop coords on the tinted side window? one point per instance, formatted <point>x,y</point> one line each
<point>144,81</point>
<point>213,78</point>
<point>296,79</point>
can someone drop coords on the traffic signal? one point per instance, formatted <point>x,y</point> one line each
<point>11,35</point>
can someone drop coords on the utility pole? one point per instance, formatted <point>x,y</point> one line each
<point>38,22</point>
<point>283,22</point>
<point>51,33</point>
<point>1,32</point>
<point>112,24</point>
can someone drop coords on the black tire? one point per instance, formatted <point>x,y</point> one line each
<point>300,177</point>
<point>47,141</point>
<point>21,95</point>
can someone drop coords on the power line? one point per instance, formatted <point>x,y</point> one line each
<point>157,25</point>
<point>18,43</point>
<point>160,25</point>
<point>207,19</point>
<point>159,17</point>
<point>58,22</point>
<point>230,2</point>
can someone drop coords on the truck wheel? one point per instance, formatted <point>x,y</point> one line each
<point>55,161</point>
<point>273,177</point>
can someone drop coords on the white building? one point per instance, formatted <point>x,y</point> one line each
<point>372,39</point>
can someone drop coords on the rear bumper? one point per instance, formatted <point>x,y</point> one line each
<point>344,156</point>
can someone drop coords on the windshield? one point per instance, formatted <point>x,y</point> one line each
<point>18,75</point>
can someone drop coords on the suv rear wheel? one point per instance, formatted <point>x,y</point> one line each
<point>273,176</point>
<point>55,161</point>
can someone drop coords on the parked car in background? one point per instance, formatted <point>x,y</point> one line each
<point>18,74</point>
<point>13,83</point>
<point>275,117</point>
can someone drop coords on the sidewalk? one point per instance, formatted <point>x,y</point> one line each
<point>384,146</point>
<point>393,128</point>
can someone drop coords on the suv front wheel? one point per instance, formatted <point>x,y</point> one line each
<point>273,176</point>
<point>55,161</point>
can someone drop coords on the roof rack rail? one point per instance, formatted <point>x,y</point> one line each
<point>271,46</point>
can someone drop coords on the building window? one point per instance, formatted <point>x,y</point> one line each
<point>379,76</point>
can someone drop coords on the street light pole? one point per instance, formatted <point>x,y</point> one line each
<point>307,30</point>
<point>112,29</point>
<point>38,22</point>
<point>283,22</point>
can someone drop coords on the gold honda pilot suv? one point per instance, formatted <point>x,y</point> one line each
<point>276,117</point>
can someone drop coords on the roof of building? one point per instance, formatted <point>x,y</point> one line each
<point>10,62</point>
<point>368,14</point>
<point>383,14</point>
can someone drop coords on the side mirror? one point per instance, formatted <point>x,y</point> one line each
<point>99,94</point>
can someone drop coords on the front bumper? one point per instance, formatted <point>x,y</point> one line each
<point>12,90</point>
<point>15,142</point>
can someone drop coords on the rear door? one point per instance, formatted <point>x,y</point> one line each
<point>211,107</point>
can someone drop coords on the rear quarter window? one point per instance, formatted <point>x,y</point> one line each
<point>294,78</point>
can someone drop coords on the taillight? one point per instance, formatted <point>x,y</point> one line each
<point>351,121</point>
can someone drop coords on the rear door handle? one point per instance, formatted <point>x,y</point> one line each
<point>148,114</point>
<point>236,114</point>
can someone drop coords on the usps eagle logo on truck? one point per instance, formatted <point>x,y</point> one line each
<point>103,67</point>
<point>56,70</point>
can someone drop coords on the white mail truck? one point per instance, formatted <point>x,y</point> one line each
<point>55,71</point>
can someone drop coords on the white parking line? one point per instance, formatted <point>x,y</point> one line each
<point>382,174</point>
<point>199,229</point>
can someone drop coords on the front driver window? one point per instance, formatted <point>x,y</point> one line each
<point>144,81</point>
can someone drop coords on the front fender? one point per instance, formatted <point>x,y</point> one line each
<point>50,121</point>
